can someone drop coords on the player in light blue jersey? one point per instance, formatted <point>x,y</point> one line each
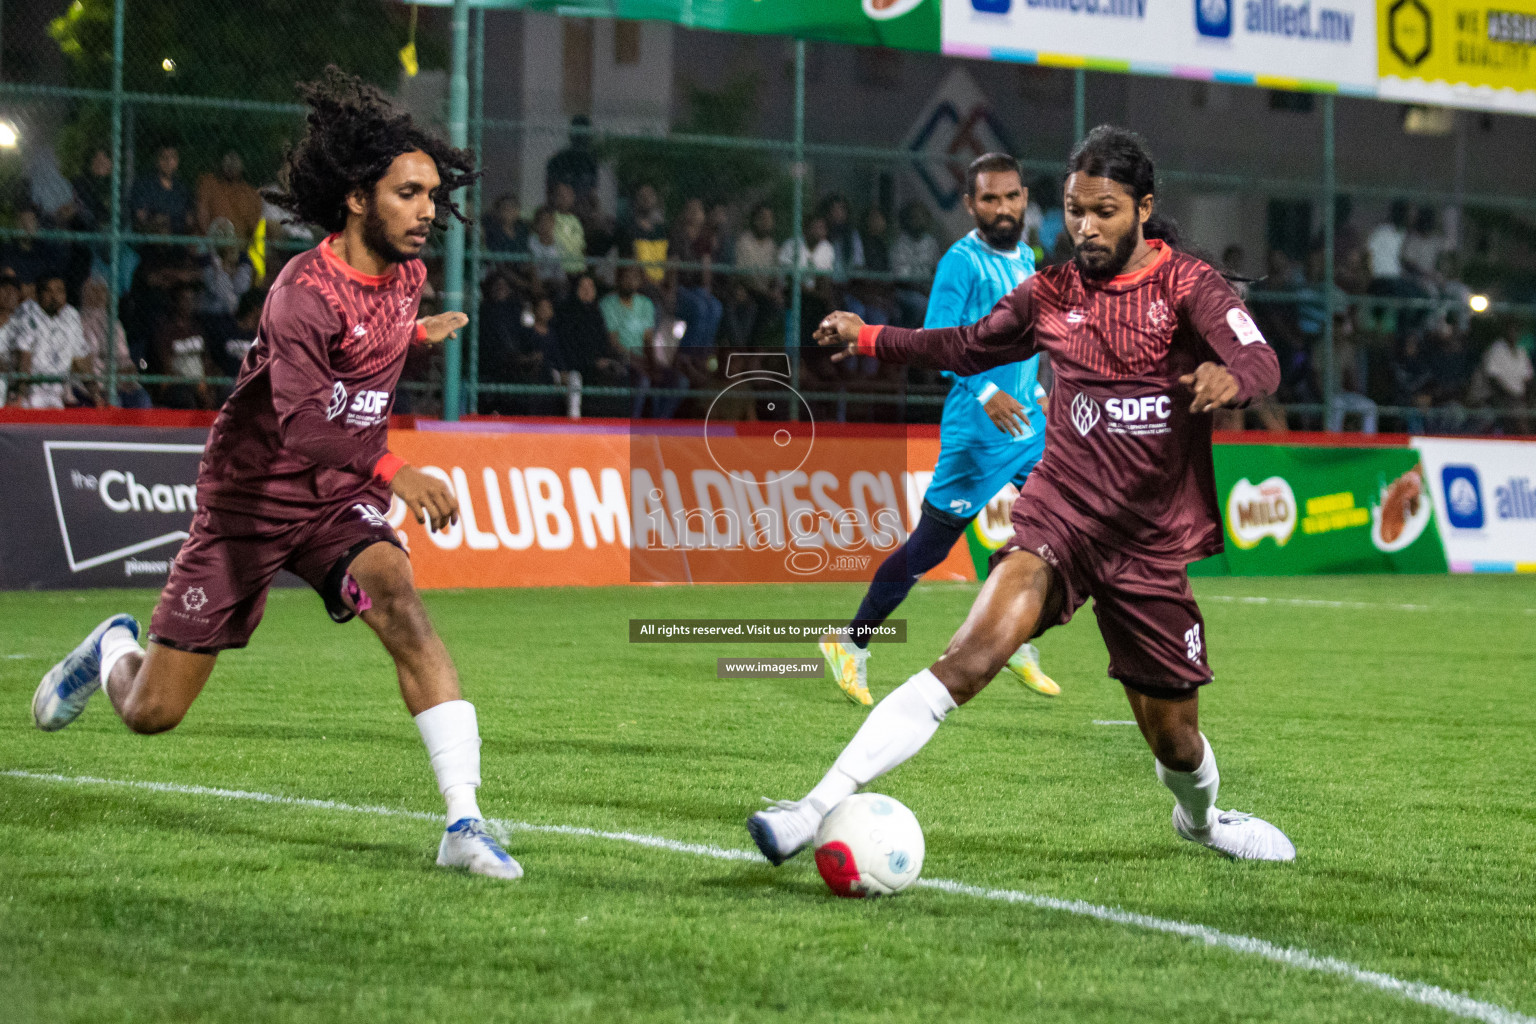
<point>993,429</point>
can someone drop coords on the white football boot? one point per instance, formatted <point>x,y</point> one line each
<point>786,828</point>
<point>1238,835</point>
<point>66,687</point>
<point>466,844</point>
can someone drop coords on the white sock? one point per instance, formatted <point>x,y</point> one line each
<point>452,736</point>
<point>116,644</point>
<point>1195,791</point>
<point>896,729</point>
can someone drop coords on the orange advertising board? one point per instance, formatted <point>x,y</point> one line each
<point>594,505</point>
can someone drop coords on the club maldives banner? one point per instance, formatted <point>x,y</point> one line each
<point>554,504</point>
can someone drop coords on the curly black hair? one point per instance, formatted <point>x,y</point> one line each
<point>352,134</point>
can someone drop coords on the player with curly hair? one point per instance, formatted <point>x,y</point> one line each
<point>297,473</point>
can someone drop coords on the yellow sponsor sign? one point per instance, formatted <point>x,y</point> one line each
<point>1476,43</point>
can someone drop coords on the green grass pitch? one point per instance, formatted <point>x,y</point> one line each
<point>1396,745</point>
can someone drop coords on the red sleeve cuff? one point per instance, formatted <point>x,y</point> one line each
<point>421,332</point>
<point>388,465</point>
<point>867,335</point>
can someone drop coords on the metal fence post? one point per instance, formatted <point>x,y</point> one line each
<point>115,206</point>
<point>453,248</point>
<point>1330,189</point>
<point>1079,105</point>
<point>477,137</point>
<point>797,231</point>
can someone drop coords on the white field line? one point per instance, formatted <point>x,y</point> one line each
<point>1312,602</point>
<point>1114,721</point>
<point>1458,1004</point>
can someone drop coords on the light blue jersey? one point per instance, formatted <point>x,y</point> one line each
<point>971,279</point>
<point>976,459</point>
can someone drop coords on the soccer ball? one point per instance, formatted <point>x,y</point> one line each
<point>870,845</point>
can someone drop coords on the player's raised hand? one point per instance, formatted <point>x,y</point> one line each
<point>443,326</point>
<point>1213,385</point>
<point>431,501</point>
<point>840,330</point>
<point>1007,414</point>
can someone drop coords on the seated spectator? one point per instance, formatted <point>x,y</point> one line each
<point>570,236</point>
<point>914,255</point>
<point>1422,246</point>
<point>584,350</point>
<point>574,166</point>
<point>629,316</point>
<point>48,341</point>
<point>50,192</point>
<point>601,230</point>
<point>812,252</point>
<point>1384,247</point>
<point>877,297</point>
<point>180,351</point>
<point>30,257</point>
<point>722,231</point>
<point>693,299</point>
<point>162,194</point>
<point>548,267</point>
<point>512,352</point>
<point>1507,367</point>
<point>847,243</point>
<point>229,197</point>
<point>1349,361</point>
<point>93,192</point>
<point>642,234</point>
<point>93,322</point>
<point>10,299</point>
<point>756,296</point>
<point>229,350</point>
<point>227,275</point>
<point>504,229</point>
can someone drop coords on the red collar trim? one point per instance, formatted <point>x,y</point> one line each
<point>330,254</point>
<point>1163,252</point>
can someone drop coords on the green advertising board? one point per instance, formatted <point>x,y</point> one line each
<point>1288,510</point>
<point>908,24</point>
<point>1292,510</point>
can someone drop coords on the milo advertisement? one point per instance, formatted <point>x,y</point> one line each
<point>1290,511</point>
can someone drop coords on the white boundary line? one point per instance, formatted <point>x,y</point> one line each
<point>1454,1003</point>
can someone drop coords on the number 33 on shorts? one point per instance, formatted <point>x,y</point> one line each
<point>1192,642</point>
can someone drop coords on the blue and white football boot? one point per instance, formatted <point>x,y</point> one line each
<point>466,844</point>
<point>66,687</point>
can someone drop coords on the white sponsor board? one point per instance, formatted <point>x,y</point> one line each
<point>1485,502</point>
<point>1329,43</point>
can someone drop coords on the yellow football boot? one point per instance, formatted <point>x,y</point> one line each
<point>849,666</point>
<point>1025,666</point>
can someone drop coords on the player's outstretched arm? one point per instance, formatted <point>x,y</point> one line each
<point>440,327</point>
<point>1005,335</point>
<point>431,501</point>
<point>1248,369</point>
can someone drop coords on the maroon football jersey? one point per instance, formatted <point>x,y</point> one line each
<point>309,416</point>
<point>1122,448</point>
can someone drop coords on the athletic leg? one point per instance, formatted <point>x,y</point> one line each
<point>847,650</point>
<point>151,690</point>
<point>1021,596</point>
<point>377,583</point>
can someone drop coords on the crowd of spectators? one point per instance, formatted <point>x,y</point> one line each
<point>586,311</point>
<point>1403,328</point>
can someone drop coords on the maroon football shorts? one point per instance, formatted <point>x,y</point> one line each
<point>1147,614</point>
<point>218,585</point>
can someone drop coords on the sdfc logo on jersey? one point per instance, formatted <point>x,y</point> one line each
<point>1147,414</point>
<point>1085,413</point>
<point>338,401</point>
<point>368,408</point>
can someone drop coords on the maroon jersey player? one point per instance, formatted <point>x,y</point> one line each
<point>297,473</point>
<point>1146,342</point>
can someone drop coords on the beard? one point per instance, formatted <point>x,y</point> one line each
<point>1101,264</point>
<point>1003,232</point>
<point>376,238</point>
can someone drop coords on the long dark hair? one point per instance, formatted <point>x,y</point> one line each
<point>1118,154</point>
<point>352,134</point>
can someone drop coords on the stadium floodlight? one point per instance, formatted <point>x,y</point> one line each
<point>10,136</point>
<point>1479,303</point>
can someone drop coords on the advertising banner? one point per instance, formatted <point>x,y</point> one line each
<point>95,506</point>
<point>1323,45</point>
<point>611,507</point>
<point>1468,53</point>
<point>1485,502</point>
<point>1289,511</point>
